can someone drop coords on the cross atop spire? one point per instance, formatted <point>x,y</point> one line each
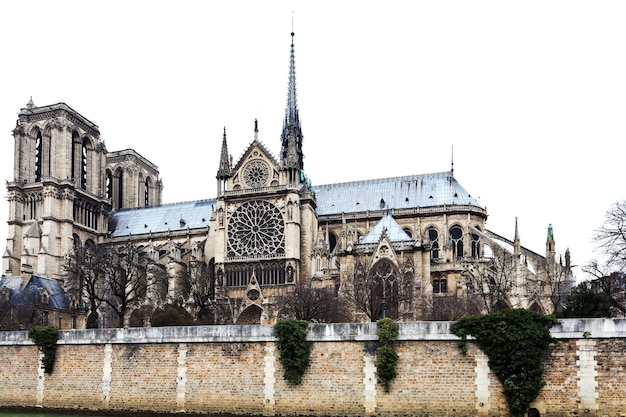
<point>291,150</point>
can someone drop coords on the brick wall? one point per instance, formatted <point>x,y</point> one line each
<point>235,369</point>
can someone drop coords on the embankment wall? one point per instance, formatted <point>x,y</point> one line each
<point>235,369</point>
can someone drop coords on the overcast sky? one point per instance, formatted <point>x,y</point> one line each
<point>531,95</point>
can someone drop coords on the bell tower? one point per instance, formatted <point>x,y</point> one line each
<point>57,196</point>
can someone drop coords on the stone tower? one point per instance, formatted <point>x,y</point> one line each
<point>64,188</point>
<point>57,195</point>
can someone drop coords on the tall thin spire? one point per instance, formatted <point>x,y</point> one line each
<point>223,171</point>
<point>291,150</point>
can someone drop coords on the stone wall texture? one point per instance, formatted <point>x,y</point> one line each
<point>236,370</point>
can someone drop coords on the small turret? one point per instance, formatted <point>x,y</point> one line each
<point>224,171</point>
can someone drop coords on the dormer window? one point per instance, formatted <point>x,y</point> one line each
<point>44,297</point>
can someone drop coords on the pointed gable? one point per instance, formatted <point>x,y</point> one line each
<point>390,227</point>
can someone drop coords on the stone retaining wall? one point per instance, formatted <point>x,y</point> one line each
<point>235,369</point>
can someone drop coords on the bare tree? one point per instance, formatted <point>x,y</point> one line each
<point>319,305</point>
<point>382,291</point>
<point>491,281</point>
<point>609,277</point>
<point>611,284</point>
<point>611,237</point>
<point>126,280</point>
<point>84,278</point>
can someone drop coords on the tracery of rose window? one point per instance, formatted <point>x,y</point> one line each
<point>256,229</point>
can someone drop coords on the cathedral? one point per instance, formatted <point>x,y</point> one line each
<point>396,247</point>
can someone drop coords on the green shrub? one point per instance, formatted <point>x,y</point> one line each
<point>515,342</point>
<point>386,355</point>
<point>294,349</point>
<point>45,337</point>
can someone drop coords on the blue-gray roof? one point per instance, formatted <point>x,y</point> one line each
<point>390,227</point>
<point>155,219</point>
<point>426,190</point>
<point>30,295</point>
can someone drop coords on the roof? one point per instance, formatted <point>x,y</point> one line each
<point>426,190</point>
<point>390,227</point>
<point>57,298</point>
<point>167,217</point>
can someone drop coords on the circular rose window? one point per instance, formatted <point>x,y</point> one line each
<point>256,229</point>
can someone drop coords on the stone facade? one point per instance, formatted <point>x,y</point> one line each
<point>235,369</point>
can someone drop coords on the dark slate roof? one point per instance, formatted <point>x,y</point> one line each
<point>426,190</point>
<point>167,217</point>
<point>57,298</point>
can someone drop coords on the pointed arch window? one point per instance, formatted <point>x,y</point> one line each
<point>475,245</point>
<point>83,164</point>
<point>146,193</point>
<point>120,190</point>
<point>38,156</point>
<point>433,236</point>
<point>109,185</point>
<point>456,234</point>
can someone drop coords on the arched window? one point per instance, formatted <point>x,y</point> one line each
<point>109,185</point>
<point>456,234</point>
<point>475,245</point>
<point>83,164</point>
<point>332,241</point>
<point>408,232</point>
<point>146,193</point>
<point>433,236</point>
<point>384,290</point>
<point>120,190</point>
<point>38,156</point>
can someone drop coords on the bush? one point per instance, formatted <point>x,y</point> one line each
<point>515,342</point>
<point>387,357</point>
<point>294,349</point>
<point>45,337</point>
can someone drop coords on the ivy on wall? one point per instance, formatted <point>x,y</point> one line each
<point>293,347</point>
<point>45,337</point>
<point>515,342</point>
<point>386,355</point>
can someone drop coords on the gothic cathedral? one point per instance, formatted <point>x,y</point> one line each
<point>411,248</point>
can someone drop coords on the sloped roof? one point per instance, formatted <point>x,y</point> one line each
<point>57,298</point>
<point>389,226</point>
<point>155,219</point>
<point>426,190</point>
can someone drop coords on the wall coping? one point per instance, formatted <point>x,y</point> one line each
<point>422,330</point>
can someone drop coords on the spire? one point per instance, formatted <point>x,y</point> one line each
<point>550,244</point>
<point>224,169</point>
<point>291,138</point>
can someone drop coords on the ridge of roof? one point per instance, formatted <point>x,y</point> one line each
<point>387,179</point>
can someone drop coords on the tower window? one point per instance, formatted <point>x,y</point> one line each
<point>146,193</point>
<point>38,156</point>
<point>83,165</point>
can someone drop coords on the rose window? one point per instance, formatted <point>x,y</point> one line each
<point>256,173</point>
<point>256,229</point>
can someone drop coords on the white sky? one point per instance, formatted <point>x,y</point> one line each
<point>530,94</point>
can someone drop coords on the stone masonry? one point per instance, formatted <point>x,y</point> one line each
<point>235,369</point>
